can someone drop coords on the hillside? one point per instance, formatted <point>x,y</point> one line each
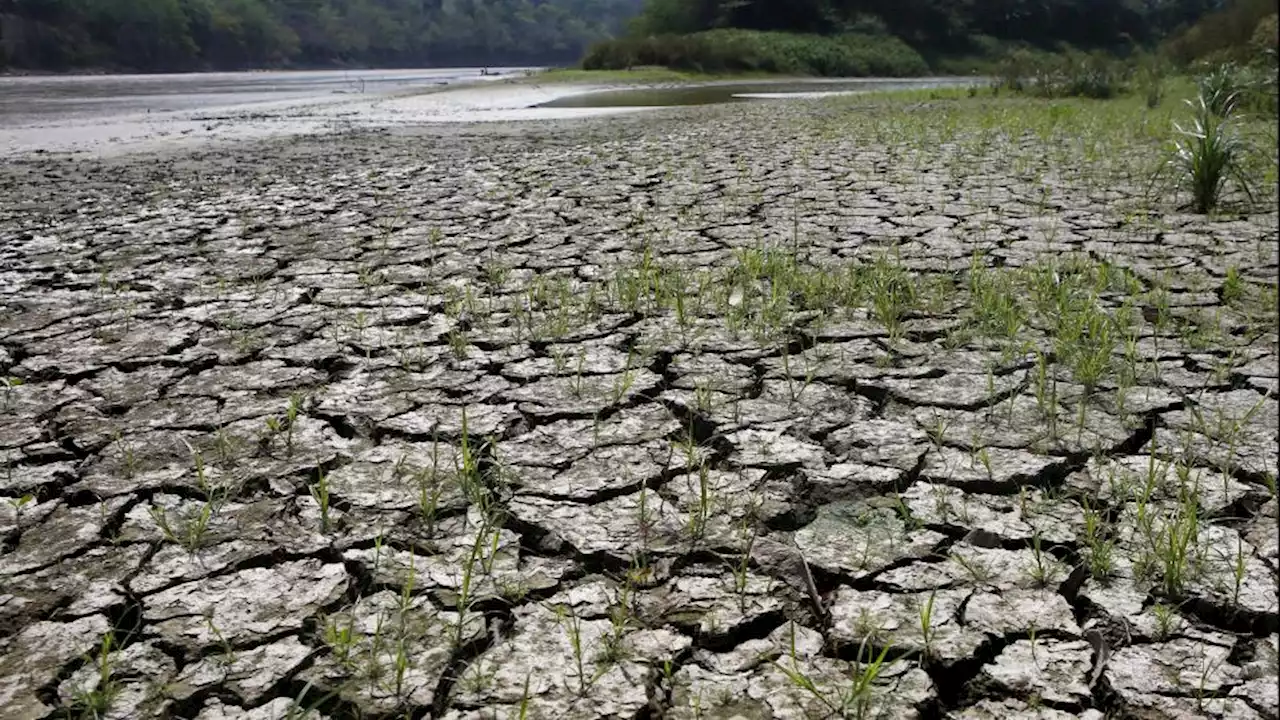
<point>933,26</point>
<point>914,37</point>
<point>155,35</point>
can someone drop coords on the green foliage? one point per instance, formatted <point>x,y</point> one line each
<point>951,37</point>
<point>1210,152</point>
<point>1226,87</point>
<point>1150,79</point>
<point>731,50</point>
<point>1241,31</point>
<point>1219,89</point>
<point>194,34</point>
<point>817,37</point>
<point>1235,50</point>
<point>1266,37</point>
<point>1070,74</point>
<point>936,26</point>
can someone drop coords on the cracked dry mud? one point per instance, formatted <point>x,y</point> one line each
<point>883,409</point>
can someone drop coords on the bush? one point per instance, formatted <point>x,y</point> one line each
<point>1266,38</point>
<point>1149,79</point>
<point>1069,74</point>
<point>1228,34</point>
<point>1227,86</point>
<point>1266,58</point>
<point>720,51</point>
<point>982,55</point>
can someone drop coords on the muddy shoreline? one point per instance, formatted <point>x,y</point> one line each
<point>105,116</point>
<point>114,115</point>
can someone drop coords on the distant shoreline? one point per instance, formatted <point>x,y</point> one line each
<point>103,72</point>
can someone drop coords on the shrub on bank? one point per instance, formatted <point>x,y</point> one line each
<point>1068,74</point>
<point>722,51</point>
<point>1247,87</point>
<point>1234,32</point>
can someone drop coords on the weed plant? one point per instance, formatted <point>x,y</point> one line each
<point>1209,153</point>
<point>1071,74</point>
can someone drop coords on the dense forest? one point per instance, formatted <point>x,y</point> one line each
<point>913,37</point>
<point>809,36</point>
<point>230,34</point>
<point>939,26</point>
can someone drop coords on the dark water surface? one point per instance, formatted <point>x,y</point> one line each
<point>727,92</point>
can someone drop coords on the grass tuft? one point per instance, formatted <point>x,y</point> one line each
<point>1209,153</point>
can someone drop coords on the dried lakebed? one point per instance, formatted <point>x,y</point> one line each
<point>884,409</point>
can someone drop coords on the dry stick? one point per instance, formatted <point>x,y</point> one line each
<point>1102,654</point>
<point>780,560</point>
<point>811,586</point>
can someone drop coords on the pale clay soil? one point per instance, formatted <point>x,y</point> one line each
<point>646,517</point>
<point>192,119</point>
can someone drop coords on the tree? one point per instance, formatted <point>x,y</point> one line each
<point>188,34</point>
<point>143,33</point>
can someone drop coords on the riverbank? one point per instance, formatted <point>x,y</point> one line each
<point>737,50</point>
<point>103,115</point>
<point>643,76</point>
<point>126,114</point>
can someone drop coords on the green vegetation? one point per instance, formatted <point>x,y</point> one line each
<point>1228,87</point>
<point>941,27</point>
<point>1224,86</point>
<point>812,37</point>
<point>639,75</point>
<point>730,50</point>
<point>95,700</point>
<point>874,37</point>
<point>191,34</point>
<point>1096,75</point>
<point>1239,31</point>
<point>1210,153</point>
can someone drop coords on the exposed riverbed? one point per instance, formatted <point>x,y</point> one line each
<point>685,414</point>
